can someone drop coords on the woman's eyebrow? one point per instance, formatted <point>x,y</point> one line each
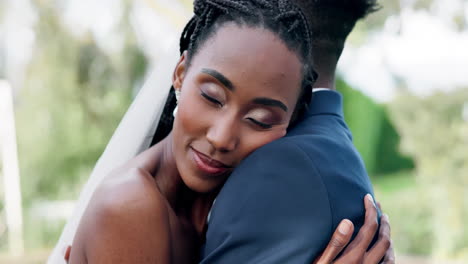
<point>270,102</point>
<point>220,77</point>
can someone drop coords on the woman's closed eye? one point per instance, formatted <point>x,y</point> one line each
<point>213,94</point>
<point>260,124</point>
<point>262,118</point>
<point>211,99</point>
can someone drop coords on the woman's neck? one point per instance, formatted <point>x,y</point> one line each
<point>183,201</point>
<point>166,175</point>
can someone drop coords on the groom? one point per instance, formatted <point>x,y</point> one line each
<point>283,202</point>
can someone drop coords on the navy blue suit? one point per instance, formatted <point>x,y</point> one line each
<point>283,203</point>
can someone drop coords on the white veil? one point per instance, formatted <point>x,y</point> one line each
<point>133,135</point>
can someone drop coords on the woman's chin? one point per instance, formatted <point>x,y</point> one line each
<point>203,185</point>
<point>199,179</point>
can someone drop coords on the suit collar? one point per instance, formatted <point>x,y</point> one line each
<point>326,102</point>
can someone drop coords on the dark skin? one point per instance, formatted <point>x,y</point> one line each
<point>356,251</point>
<point>237,94</point>
<point>154,209</point>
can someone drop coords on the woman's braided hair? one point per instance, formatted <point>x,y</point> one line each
<point>279,16</point>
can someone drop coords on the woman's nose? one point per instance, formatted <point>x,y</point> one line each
<point>223,135</point>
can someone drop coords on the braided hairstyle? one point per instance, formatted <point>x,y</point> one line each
<point>279,16</point>
<point>333,20</point>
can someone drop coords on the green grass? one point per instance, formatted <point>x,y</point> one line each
<point>406,205</point>
<point>395,182</point>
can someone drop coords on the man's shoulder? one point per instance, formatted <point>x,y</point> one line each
<point>318,156</point>
<point>319,150</point>
<point>309,159</point>
<point>319,146</point>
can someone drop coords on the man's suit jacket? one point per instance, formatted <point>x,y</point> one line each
<point>282,204</point>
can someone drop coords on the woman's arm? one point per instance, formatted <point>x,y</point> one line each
<point>126,222</point>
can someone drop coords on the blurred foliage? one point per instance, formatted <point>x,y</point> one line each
<point>41,233</point>
<point>374,22</point>
<point>74,96</point>
<point>374,135</point>
<point>76,93</point>
<point>410,215</point>
<point>435,133</point>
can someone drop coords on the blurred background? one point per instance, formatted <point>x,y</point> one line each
<point>73,67</point>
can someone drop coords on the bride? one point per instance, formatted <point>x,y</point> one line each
<point>243,78</point>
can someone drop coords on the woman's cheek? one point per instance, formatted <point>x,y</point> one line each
<point>274,135</point>
<point>256,140</point>
<point>192,115</point>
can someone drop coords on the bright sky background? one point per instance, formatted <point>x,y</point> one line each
<point>428,54</point>
<point>424,49</point>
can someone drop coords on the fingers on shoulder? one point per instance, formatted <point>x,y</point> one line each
<point>371,223</point>
<point>385,233</point>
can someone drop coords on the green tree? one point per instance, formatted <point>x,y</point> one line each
<point>75,95</point>
<point>435,134</point>
<point>374,135</point>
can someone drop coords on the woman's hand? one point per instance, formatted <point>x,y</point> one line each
<point>356,252</point>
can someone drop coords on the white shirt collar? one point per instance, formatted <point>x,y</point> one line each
<point>320,89</point>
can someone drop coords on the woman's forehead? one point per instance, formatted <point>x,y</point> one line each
<point>250,56</point>
<point>236,40</point>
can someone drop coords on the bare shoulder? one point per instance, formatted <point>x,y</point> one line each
<point>132,189</point>
<point>126,221</point>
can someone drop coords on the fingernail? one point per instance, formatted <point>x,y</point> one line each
<point>370,198</point>
<point>387,217</point>
<point>344,227</point>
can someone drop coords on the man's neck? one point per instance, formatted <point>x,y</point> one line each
<point>326,77</point>
<point>325,82</point>
<point>325,65</point>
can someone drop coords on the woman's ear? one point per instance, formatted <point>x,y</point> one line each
<point>179,72</point>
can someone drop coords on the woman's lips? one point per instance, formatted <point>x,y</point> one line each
<point>209,165</point>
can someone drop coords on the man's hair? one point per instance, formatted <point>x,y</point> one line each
<point>331,21</point>
<point>281,17</point>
